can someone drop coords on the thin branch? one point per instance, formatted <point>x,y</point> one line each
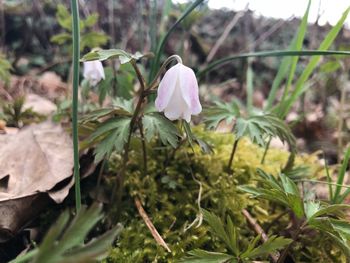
<point>160,241</point>
<point>258,229</point>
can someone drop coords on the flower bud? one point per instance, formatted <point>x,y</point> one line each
<point>93,72</point>
<point>178,94</point>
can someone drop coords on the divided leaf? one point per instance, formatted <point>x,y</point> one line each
<point>64,241</point>
<point>221,112</point>
<point>260,127</point>
<point>111,135</point>
<point>155,124</point>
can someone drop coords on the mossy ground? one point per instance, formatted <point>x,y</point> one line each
<point>169,192</point>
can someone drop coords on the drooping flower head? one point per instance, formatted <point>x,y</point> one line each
<point>93,72</point>
<point>178,94</point>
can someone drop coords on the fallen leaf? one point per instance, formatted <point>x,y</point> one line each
<point>35,159</point>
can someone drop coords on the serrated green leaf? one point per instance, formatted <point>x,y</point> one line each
<point>96,249</point>
<point>289,186</point>
<point>155,124</point>
<point>330,209</point>
<point>311,207</point>
<point>104,54</point>
<point>61,38</point>
<point>220,112</point>
<point>217,227</point>
<point>202,256</point>
<point>91,20</point>
<point>111,135</point>
<point>70,247</point>
<point>273,244</point>
<point>124,104</point>
<point>260,127</point>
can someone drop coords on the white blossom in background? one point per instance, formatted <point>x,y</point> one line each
<point>93,72</point>
<point>178,94</point>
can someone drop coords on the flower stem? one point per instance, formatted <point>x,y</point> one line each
<point>144,150</point>
<point>118,188</point>
<point>166,63</point>
<point>267,146</point>
<point>234,148</point>
<point>76,55</point>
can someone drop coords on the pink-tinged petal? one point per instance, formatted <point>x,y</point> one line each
<point>176,106</point>
<point>189,89</point>
<point>166,88</point>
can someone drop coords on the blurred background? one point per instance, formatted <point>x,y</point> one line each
<point>35,38</point>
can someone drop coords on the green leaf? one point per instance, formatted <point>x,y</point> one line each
<point>205,147</point>
<point>96,248</point>
<point>101,55</point>
<point>311,207</point>
<point>65,244</point>
<point>81,225</point>
<point>273,244</point>
<point>155,124</point>
<point>61,38</point>
<point>111,135</point>
<point>220,112</point>
<point>217,227</point>
<point>341,177</point>
<point>63,17</point>
<point>92,39</point>
<point>299,89</point>
<point>126,105</point>
<point>330,209</point>
<point>288,185</point>
<point>298,46</point>
<point>91,20</point>
<point>202,256</point>
<point>260,127</point>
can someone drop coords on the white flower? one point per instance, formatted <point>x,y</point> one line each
<point>93,72</point>
<point>178,94</point>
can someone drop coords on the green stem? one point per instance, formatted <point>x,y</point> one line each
<point>76,55</point>
<point>266,149</point>
<point>234,148</point>
<point>118,188</point>
<point>144,149</point>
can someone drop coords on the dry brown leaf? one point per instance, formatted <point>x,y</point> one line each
<point>39,104</point>
<point>34,160</point>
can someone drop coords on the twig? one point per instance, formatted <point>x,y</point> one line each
<point>224,35</point>
<point>258,229</point>
<point>160,241</point>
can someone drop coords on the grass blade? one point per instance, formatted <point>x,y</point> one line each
<point>299,86</point>
<point>341,175</point>
<point>296,44</point>
<point>276,53</point>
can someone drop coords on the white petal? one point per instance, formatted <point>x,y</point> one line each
<point>166,88</point>
<point>189,89</point>
<point>177,106</point>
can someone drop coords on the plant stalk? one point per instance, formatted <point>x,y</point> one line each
<point>234,148</point>
<point>118,188</point>
<point>267,146</point>
<point>144,149</point>
<point>75,59</point>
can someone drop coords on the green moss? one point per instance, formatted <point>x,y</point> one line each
<point>169,194</point>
